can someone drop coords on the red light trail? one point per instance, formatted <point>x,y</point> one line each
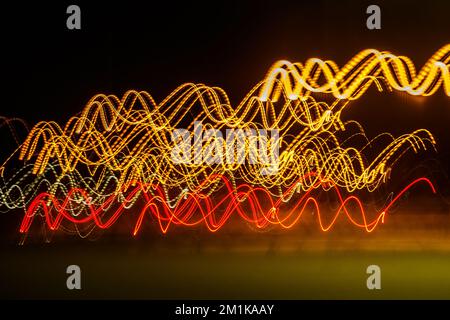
<point>196,208</point>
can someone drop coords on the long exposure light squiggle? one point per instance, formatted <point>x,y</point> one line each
<point>350,82</point>
<point>196,208</point>
<point>118,151</point>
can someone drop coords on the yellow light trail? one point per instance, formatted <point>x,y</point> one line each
<point>350,82</point>
<point>131,136</point>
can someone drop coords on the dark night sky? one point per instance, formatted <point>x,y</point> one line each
<point>157,47</point>
<point>51,72</point>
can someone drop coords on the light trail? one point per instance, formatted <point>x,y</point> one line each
<point>117,151</point>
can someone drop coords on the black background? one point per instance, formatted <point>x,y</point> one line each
<point>50,72</point>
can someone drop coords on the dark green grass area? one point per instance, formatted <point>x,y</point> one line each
<point>121,272</point>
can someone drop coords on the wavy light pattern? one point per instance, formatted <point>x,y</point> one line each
<point>115,156</point>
